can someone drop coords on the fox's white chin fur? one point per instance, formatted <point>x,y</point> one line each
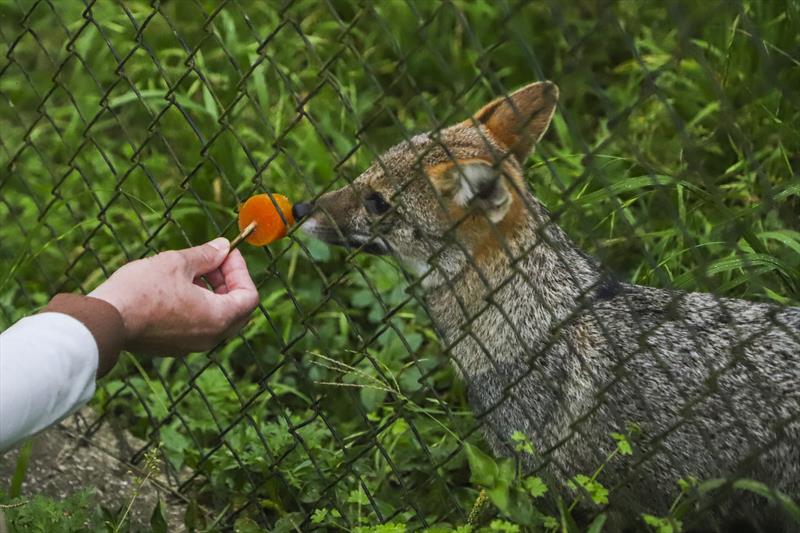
<point>368,244</point>
<point>417,267</point>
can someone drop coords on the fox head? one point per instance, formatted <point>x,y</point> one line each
<point>445,198</point>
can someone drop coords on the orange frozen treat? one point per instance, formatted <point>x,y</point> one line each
<point>270,227</point>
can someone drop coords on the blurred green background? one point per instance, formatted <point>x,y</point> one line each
<point>129,128</point>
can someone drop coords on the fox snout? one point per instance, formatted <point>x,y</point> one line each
<point>331,219</point>
<point>302,210</point>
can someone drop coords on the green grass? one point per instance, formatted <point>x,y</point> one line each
<point>673,157</point>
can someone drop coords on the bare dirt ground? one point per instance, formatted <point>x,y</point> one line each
<point>63,463</point>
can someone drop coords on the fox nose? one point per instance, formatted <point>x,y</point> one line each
<point>302,209</point>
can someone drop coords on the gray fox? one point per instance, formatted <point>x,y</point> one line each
<point>550,345</point>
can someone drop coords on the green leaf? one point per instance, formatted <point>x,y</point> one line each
<point>194,518</point>
<point>158,524</point>
<point>520,508</point>
<point>623,445</point>
<point>414,341</point>
<point>597,524</point>
<point>483,469</point>
<point>371,397</point>
<point>627,185</point>
<point>410,379</point>
<point>757,487</point>
<point>20,469</point>
<point>319,516</point>
<point>524,445</point>
<point>358,496</point>
<point>791,239</point>
<point>499,494</point>
<point>391,527</point>
<point>550,522</point>
<point>662,525</point>
<point>174,445</point>
<point>502,525</point>
<point>288,523</point>
<point>597,492</point>
<point>745,262</point>
<point>362,298</point>
<point>793,189</point>
<point>535,486</point>
<point>319,251</point>
<point>506,471</point>
<point>687,483</point>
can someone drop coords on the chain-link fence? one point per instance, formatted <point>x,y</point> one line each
<point>490,372</point>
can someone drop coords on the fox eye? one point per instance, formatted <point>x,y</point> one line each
<point>375,204</point>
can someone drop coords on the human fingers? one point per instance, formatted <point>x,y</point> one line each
<point>242,296</point>
<point>206,257</point>
<point>234,269</point>
<point>216,281</point>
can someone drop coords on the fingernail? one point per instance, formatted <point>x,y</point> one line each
<point>220,243</point>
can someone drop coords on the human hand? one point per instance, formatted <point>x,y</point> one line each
<point>166,307</point>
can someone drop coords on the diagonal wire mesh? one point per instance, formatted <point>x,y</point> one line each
<point>136,127</point>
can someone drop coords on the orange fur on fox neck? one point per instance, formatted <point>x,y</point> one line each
<point>486,246</point>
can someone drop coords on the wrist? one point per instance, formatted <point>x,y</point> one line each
<point>102,320</point>
<point>124,307</point>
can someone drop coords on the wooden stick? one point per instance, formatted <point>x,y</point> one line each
<point>244,234</point>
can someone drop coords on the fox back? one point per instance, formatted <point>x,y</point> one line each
<point>550,345</point>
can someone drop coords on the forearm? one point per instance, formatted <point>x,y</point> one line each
<point>159,305</point>
<point>49,363</point>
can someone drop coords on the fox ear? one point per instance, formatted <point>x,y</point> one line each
<point>479,184</point>
<point>519,120</point>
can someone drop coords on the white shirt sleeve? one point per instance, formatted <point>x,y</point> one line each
<point>48,364</point>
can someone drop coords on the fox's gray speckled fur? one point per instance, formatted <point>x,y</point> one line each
<point>551,346</point>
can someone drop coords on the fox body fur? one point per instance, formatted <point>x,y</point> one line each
<point>551,346</point>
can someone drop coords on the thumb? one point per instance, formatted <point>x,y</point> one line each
<point>206,257</point>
